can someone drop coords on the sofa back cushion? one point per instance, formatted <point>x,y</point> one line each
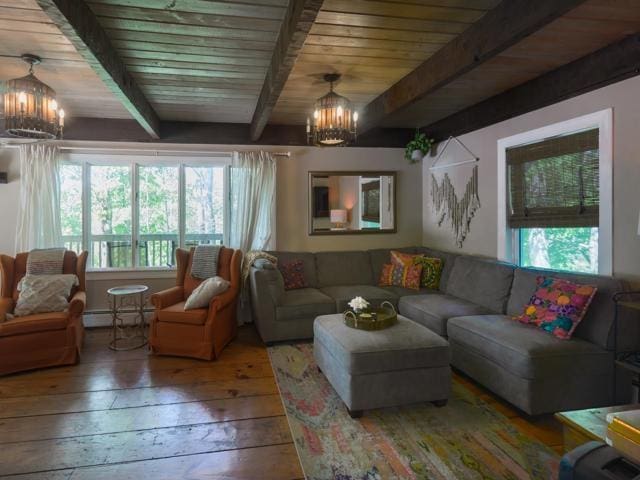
<point>448,259</point>
<point>597,324</point>
<point>344,268</point>
<point>481,281</point>
<point>308,262</point>
<point>382,256</point>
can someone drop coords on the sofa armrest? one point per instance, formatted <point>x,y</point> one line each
<point>167,297</point>
<point>77,304</point>
<point>267,292</point>
<point>6,306</point>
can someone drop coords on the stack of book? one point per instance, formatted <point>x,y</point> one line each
<point>623,433</point>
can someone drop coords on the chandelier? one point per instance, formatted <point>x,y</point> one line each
<point>334,121</point>
<point>30,106</point>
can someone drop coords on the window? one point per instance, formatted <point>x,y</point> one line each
<point>135,214</point>
<point>555,188</point>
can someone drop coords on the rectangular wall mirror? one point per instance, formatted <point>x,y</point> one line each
<point>344,203</point>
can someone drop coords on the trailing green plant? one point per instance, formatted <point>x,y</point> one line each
<point>419,142</point>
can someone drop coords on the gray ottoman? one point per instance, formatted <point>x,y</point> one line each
<point>403,364</point>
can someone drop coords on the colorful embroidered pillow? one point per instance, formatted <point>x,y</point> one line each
<point>401,276</point>
<point>558,306</point>
<point>293,274</point>
<point>431,267</point>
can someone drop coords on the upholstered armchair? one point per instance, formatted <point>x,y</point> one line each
<point>43,339</point>
<point>203,332</point>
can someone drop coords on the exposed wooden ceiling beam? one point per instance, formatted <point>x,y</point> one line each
<point>497,30</point>
<point>294,30</point>
<point>608,65</point>
<point>78,23</point>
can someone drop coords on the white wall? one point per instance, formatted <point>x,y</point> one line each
<point>292,204</point>
<point>624,98</point>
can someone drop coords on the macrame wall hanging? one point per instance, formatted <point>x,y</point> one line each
<point>444,199</point>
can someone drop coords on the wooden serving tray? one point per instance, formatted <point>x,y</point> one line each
<point>373,318</point>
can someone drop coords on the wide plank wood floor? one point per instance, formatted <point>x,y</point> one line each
<point>131,415</point>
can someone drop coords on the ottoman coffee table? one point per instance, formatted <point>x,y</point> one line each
<point>402,364</point>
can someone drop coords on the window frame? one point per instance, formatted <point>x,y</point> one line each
<point>86,161</point>
<point>509,239</point>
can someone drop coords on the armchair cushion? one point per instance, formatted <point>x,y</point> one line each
<point>177,314</point>
<point>41,322</point>
<point>203,294</point>
<point>44,293</point>
<point>6,306</point>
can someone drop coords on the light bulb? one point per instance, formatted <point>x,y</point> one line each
<point>355,116</point>
<point>22,98</point>
<point>54,105</point>
<point>339,110</point>
<point>315,114</point>
<point>61,116</point>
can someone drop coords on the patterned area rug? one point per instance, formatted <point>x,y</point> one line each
<point>467,439</point>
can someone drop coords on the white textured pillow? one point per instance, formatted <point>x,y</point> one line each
<point>208,289</point>
<point>44,293</point>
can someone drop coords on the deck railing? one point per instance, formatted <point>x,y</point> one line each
<point>154,250</point>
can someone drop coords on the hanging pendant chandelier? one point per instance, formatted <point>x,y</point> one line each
<point>334,121</point>
<point>30,106</point>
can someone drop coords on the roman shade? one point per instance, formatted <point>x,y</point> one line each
<point>555,182</point>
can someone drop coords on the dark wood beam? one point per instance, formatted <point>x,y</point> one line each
<point>78,23</point>
<point>294,30</point>
<point>497,30</point>
<point>611,64</point>
<point>114,130</point>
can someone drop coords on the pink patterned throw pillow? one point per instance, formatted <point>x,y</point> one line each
<point>293,275</point>
<point>558,306</point>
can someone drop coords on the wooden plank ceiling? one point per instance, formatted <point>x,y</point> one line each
<point>373,44</point>
<point>25,28</point>
<point>195,60</point>
<point>585,29</point>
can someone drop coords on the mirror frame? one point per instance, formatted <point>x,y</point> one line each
<point>352,173</point>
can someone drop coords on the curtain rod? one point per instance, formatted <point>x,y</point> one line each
<point>154,151</point>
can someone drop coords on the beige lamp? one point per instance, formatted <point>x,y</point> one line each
<point>338,218</point>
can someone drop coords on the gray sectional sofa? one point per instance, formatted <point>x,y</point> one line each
<point>473,310</point>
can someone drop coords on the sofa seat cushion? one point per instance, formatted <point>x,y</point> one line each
<point>39,322</point>
<point>177,314</point>
<point>403,292</point>
<point>435,309</point>
<point>526,351</point>
<point>404,346</point>
<point>304,303</point>
<point>343,294</point>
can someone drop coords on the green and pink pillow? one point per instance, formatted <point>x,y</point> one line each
<point>558,306</point>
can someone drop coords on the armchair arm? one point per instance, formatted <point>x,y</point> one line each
<point>167,297</point>
<point>221,301</point>
<point>77,303</point>
<point>6,306</point>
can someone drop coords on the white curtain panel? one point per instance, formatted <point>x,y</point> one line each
<point>253,201</point>
<point>39,203</point>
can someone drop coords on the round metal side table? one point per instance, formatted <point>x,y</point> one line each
<point>128,299</point>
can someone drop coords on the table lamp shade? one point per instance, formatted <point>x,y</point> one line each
<point>338,216</point>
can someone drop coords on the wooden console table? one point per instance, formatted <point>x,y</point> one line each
<point>582,426</point>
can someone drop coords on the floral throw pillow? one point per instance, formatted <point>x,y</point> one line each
<point>401,276</point>
<point>558,306</point>
<point>293,275</point>
<point>431,267</point>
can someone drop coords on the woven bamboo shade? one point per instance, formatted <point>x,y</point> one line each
<point>555,182</point>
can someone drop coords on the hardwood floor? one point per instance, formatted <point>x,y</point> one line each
<point>130,415</point>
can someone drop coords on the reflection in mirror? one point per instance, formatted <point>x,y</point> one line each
<point>351,202</point>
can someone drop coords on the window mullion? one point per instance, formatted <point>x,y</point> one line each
<point>135,206</point>
<point>86,211</point>
<point>182,209</point>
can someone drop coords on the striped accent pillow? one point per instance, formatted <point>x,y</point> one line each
<point>45,261</point>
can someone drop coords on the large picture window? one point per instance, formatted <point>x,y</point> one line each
<point>135,214</point>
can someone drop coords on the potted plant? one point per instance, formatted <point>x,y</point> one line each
<point>418,147</point>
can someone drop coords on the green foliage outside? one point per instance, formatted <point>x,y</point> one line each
<point>569,249</point>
